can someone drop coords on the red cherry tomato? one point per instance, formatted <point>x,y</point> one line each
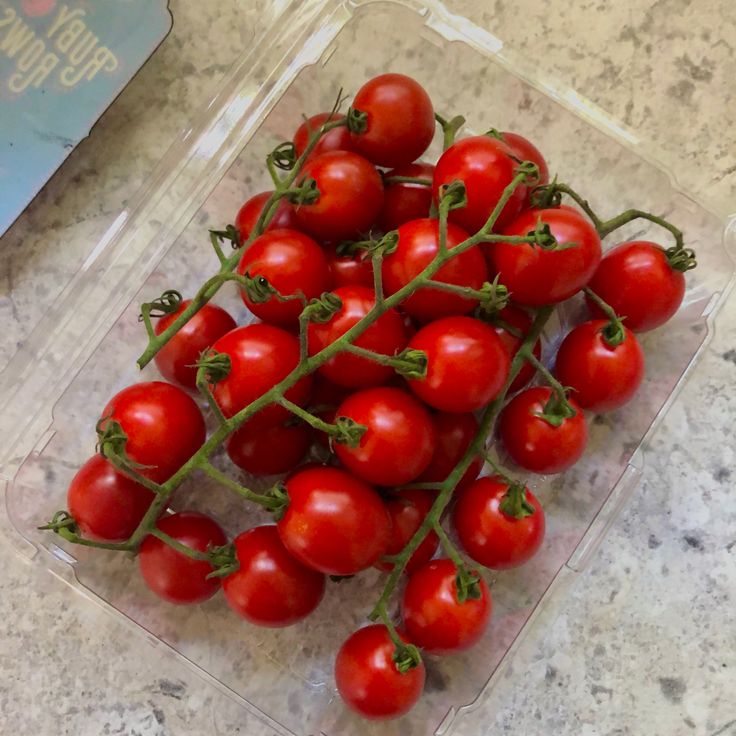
<point>535,444</point>
<point>486,167</point>
<point>418,245</point>
<point>434,618</point>
<point>639,282</point>
<point>368,679</point>
<point>291,262</point>
<point>176,361</point>
<point>107,505</point>
<point>399,441</point>
<point>270,588</point>
<point>604,376</point>
<point>408,507</point>
<point>172,575</point>
<point>334,523</point>
<point>498,527</point>
<point>399,119</point>
<point>518,320</point>
<point>536,276</point>
<point>248,215</point>
<point>386,335</point>
<point>337,139</point>
<point>260,357</point>
<point>354,270</point>
<point>164,426</point>
<point>404,201</point>
<point>455,432</point>
<point>350,196</point>
<point>467,364</point>
<point>525,150</point>
<point>268,450</point>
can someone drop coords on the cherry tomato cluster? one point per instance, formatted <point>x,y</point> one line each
<point>369,380</point>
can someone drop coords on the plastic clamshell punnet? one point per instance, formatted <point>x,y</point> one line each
<point>85,349</point>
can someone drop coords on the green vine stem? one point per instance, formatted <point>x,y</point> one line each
<point>449,129</point>
<point>406,656</point>
<point>614,333</point>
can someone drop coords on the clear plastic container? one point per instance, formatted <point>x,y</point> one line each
<point>85,348</point>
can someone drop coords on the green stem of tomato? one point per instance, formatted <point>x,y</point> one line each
<point>541,368</point>
<point>418,180</point>
<point>449,129</point>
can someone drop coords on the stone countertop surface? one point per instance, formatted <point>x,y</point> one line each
<point>645,644</point>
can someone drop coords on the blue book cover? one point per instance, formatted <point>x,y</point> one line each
<point>62,62</point>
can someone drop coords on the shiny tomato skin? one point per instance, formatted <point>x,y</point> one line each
<point>247,217</point>
<point>636,279</point>
<point>408,508</point>
<point>367,678</point>
<point>535,276</point>
<point>172,575</point>
<point>260,357</point>
<point>525,150</point>
<point>467,364</point>
<point>354,270</point>
<point>400,124</point>
<point>403,201</point>
<point>603,377</point>
<point>532,442</point>
<point>418,244</point>
<point>486,167</point>
<point>291,262</point>
<point>163,423</point>
<point>455,432</point>
<point>107,505</point>
<point>400,439</point>
<point>334,523</point>
<point>270,588</point>
<point>270,449</point>
<point>387,335</point>
<point>433,617</point>
<point>176,361</point>
<point>517,319</point>
<point>337,139</point>
<point>350,196</point>
<point>491,537</point>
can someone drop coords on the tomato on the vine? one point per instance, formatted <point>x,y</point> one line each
<point>418,244</point>
<point>641,282</point>
<point>387,336</point>
<point>406,201</point>
<point>337,139</point>
<point>467,364</point>
<point>350,196</point>
<point>107,505</point>
<point>525,150</point>
<point>247,217</point>
<point>271,449</point>
<point>355,270</point>
<point>539,437</point>
<point>399,120</point>
<point>603,372</point>
<point>176,361</point>
<point>537,276</point>
<point>455,432</point>
<point>260,357</point>
<point>499,525</point>
<point>270,588</point>
<point>434,618</point>
<point>293,264</point>
<point>334,523</point>
<point>399,441</point>
<point>408,508</point>
<point>368,677</point>
<point>486,166</point>
<point>163,424</point>
<point>172,575</point>
<point>512,320</point>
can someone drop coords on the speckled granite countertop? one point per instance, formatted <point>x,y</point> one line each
<point>646,643</point>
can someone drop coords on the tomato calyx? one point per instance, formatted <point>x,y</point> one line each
<point>528,168</point>
<point>111,443</point>
<point>259,289</point>
<point>557,409</point>
<point>214,366</point>
<point>410,363</point>
<point>468,585</point>
<point>322,309</point>
<point>406,657</point>
<point>493,297</point>
<point>546,196</point>
<point>515,502</point>
<point>223,559</point>
<point>306,192</point>
<point>283,156</point>
<point>63,524</point>
<point>231,234</point>
<point>281,495</point>
<point>614,333</point>
<point>453,196</point>
<point>167,303</point>
<point>681,259</point>
<point>357,121</point>
<point>544,239</point>
<point>347,431</point>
